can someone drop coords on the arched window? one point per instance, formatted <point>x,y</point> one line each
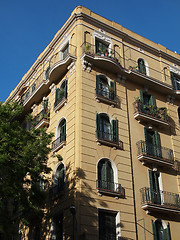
<point>58,179</point>
<point>104,87</point>
<point>61,93</point>
<point>141,66</point>
<point>105,175</point>
<point>161,231</point>
<point>60,135</point>
<point>106,129</point>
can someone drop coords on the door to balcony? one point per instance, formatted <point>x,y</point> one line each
<point>154,187</point>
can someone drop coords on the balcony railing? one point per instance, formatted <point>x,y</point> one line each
<point>110,95</point>
<point>109,139</point>
<point>62,98</point>
<point>110,188</point>
<point>150,111</point>
<point>161,198</point>
<point>43,115</point>
<point>109,53</point>
<point>59,142</point>
<point>57,189</point>
<point>153,153</point>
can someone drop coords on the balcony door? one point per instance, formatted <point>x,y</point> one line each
<point>105,175</point>
<point>154,187</point>
<point>159,232</point>
<point>153,144</point>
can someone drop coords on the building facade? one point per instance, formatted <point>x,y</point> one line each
<point>111,98</point>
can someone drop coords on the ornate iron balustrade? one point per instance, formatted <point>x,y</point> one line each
<point>162,153</point>
<point>59,140</point>
<point>163,198</point>
<point>56,190</point>
<point>63,96</point>
<point>44,114</point>
<point>151,110</point>
<point>107,94</point>
<point>110,188</point>
<point>108,53</point>
<point>108,136</point>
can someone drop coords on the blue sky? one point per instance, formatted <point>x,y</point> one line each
<point>26,27</point>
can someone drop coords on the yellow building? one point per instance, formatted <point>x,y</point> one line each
<point>111,98</point>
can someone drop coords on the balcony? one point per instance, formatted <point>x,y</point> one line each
<point>60,62</point>
<point>108,97</point>
<point>60,102</point>
<point>108,139</point>
<point>110,60</point>
<point>151,154</point>
<point>59,143</point>
<point>56,190</point>
<point>41,120</point>
<point>159,202</point>
<point>150,114</point>
<point>110,188</point>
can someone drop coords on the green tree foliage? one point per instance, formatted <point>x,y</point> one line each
<point>23,160</point>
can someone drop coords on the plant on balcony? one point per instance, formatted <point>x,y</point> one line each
<point>88,48</point>
<point>133,67</point>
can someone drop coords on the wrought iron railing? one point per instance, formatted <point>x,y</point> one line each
<point>162,153</point>
<point>57,101</point>
<point>56,189</point>
<point>110,187</point>
<point>151,110</point>
<point>108,136</point>
<point>44,114</point>
<point>108,53</point>
<point>59,140</point>
<point>107,94</point>
<point>149,196</point>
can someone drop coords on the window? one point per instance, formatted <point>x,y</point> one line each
<point>47,73</point>
<point>160,232</point>
<point>179,114</point>
<point>154,187</point>
<point>61,93</point>
<point>26,95</point>
<point>153,144</point>
<point>108,229</point>
<point>33,87</point>
<point>57,227</point>
<point>105,175</point>
<point>60,136</point>
<point>58,179</point>
<point>147,99</point>
<point>101,47</point>
<point>104,87</point>
<point>175,79</point>
<point>141,66</point>
<point>106,129</point>
<point>65,51</point>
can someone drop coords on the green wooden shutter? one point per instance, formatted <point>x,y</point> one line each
<point>141,97</point>
<point>110,176</point>
<point>45,103</point>
<point>168,232</point>
<point>65,89</point>
<point>112,91</point>
<point>154,230</point>
<point>146,150</point>
<point>97,84</point>
<point>114,131</point>
<point>152,100</point>
<point>57,96</point>
<point>97,125</point>
<point>104,174</point>
<point>63,131</point>
<point>157,144</point>
<point>172,80</point>
<point>151,185</point>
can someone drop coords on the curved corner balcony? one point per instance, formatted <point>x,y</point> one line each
<point>61,62</point>
<point>150,114</point>
<point>151,154</point>
<point>159,201</point>
<point>109,59</point>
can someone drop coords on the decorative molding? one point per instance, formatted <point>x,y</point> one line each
<point>52,88</point>
<point>86,65</point>
<point>174,70</point>
<point>72,67</point>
